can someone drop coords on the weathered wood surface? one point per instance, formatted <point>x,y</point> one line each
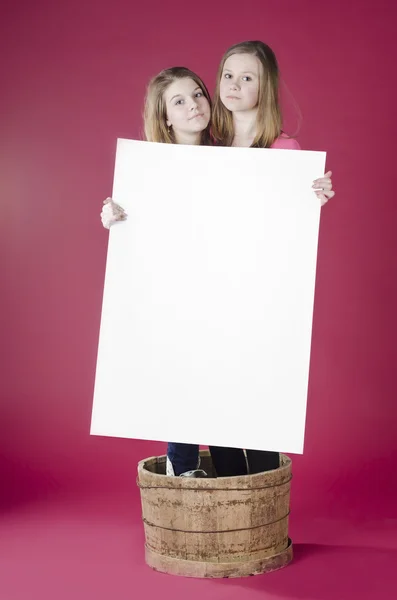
<point>215,527</point>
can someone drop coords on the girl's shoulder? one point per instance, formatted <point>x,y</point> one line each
<point>285,143</point>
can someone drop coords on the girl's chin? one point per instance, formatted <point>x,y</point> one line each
<point>237,105</point>
<point>199,129</point>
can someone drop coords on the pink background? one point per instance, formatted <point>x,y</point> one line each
<point>73,79</point>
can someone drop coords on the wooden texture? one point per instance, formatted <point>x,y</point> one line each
<point>215,527</point>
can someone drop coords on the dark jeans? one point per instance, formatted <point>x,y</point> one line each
<point>184,457</point>
<point>227,461</point>
<point>231,461</point>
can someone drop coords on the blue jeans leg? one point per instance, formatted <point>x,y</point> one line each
<point>228,462</point>
<point>231,461</point>
<point>184,457</point>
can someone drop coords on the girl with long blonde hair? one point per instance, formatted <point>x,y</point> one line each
<point>177,111</point>
<point>246,112</point>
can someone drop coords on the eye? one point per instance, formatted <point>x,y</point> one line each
<point>228,76</point>
<point>178,102</point>
<point>247,78</point>
<point>199,94</point>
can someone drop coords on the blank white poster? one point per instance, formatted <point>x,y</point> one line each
<point>208,299</point>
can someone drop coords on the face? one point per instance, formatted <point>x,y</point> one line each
<point>239,85</point>
<point>188,110</point>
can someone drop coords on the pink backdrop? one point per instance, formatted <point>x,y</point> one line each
<point>73,80</point>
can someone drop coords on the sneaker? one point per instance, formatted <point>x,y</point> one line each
<point>195,473</point>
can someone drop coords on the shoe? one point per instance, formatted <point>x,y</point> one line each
<point>194,473</point>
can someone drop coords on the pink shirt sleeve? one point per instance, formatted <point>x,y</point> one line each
<point>285,143</point>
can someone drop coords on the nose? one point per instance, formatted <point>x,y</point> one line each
<point>233,85</point>
<point>193,104</point>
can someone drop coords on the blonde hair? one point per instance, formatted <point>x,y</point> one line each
<point>155,113</point>
<point>268,120</point>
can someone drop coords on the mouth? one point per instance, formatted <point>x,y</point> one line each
<point>232,97</point>
<point>199,115</point>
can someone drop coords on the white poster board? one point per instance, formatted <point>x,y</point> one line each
<point>208,300</point>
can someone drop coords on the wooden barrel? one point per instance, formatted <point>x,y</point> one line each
<point>215,527</point>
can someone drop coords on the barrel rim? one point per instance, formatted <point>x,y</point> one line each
<point>245,481</point>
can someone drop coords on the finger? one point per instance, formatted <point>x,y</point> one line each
<point>325,196</point>
<point>107,217</point>
<point>326,193</point>
<point>106,214</point>
<point>327,175</point>
<point>323,187</point>
<point>113,217</point>
<point>321,182</point>
<point>112,209</point>
<point>322,198</point>
<point>118,209</point>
